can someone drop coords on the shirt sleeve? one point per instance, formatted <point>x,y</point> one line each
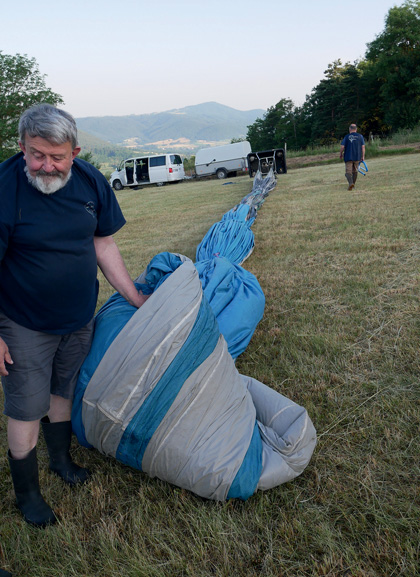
<point>110,216</point>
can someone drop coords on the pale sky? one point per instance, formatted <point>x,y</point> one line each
<point>137,57</point>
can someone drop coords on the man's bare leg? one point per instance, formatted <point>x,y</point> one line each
<point>22,437</point>
<point>60,409</point>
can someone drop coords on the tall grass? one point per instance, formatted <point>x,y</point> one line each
<point>314,151</point>
<point>340,335</point>
<point>377,147</point>
<point>404,136</point>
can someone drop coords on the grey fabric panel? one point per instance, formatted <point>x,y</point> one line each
<point>288,435</point>
<point>202,441</point>
<point>138,357</point>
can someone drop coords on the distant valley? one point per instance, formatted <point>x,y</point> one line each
<point>183,130</point>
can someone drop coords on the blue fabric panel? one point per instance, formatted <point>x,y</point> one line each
<point>236,299</point>
<point>159,268</point>
<point>198,346</point>
<point>109,321</point>
<point>240,212</point>
<point>245,483</point>
<point>230,238</point>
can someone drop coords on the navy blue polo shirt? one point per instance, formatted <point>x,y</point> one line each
<point>48,266</point>
<point>353,143</point>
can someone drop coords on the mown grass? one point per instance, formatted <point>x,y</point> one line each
<point>340,335</point>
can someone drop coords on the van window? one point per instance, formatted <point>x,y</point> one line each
<point>157,161</point>
<point>175,159</point>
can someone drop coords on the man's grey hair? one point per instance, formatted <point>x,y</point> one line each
<point>48,122</point>
<point>353,127</point>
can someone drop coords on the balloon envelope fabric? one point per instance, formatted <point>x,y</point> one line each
<point>230,237</point>
<point>236,299</point>
<point>233,293</point>
<point>159,391</point>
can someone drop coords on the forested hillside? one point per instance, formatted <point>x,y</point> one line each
<point>183,128</point>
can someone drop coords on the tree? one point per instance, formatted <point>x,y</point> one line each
<point>21,86</point>
<point>395,58</point>
<point>88,157</point>
<point>279,125</point>
<point>189,165</point>
<point>372,119</point>
<point>335,103</point>
<point>255,134</point>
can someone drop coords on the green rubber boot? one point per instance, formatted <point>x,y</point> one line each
<point>28,495</point>
<point>58,439</point>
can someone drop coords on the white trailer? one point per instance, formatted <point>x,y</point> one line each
<point>222,160</point>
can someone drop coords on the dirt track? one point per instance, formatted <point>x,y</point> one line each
<point>301,161</point>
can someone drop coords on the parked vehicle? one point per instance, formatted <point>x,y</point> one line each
<point>148,170</point>
<point>266,159</point>
<point>222,160</point>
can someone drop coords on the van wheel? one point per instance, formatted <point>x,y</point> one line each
<point>117,185</point>
<point>160,183</point>
<point>221,173</point>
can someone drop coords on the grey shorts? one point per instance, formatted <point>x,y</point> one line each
<point>43,364</point>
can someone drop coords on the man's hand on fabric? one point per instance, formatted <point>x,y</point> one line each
<point>141,299</point>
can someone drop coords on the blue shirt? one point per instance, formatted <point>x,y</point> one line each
<point>353,143</point>
<point>48,266</point>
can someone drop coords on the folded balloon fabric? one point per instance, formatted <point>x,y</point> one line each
<point>159,390</point>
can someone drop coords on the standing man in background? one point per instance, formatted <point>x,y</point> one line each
<point>57,218</point>
<point>353,149</point>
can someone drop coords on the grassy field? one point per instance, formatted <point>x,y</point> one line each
<point>340,335</point>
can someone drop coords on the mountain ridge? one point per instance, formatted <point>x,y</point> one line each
<point>186,128</point>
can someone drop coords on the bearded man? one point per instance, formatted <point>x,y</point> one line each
<point>57,218</point>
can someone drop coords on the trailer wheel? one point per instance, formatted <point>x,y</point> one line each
<point>116,185</point>
<point>221,173</point>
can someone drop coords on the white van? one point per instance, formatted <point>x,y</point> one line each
<point>148,170</point>
<point>222,160</point>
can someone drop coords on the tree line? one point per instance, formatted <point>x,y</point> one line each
<point>381,93</point>
<point>21,86</point>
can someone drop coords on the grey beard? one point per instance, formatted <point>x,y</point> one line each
<point>49,186</point>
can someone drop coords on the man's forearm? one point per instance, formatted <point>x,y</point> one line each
<point>113,268</point>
